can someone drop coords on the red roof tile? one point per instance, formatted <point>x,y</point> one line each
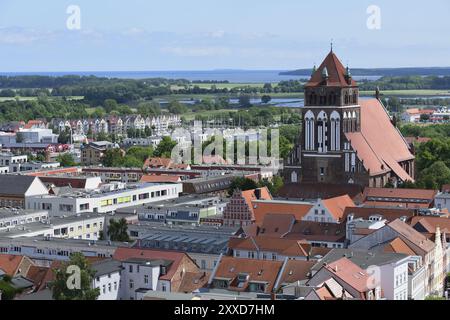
<point>336,73</point>
<point>379,152</point>
<point>123,254</point>
<point>10,263</point>
<point>262,208</point>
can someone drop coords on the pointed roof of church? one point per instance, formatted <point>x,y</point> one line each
<point>335,71</point>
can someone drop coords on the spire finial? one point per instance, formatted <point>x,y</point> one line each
<point>331,44</point>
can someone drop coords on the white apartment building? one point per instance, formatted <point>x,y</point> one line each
<point>38,136</point>
<point>84,227</point>
<point>106,199</point>
<point>12,162</point>
<point>144,275</point>
<point>10,218</point>
<point>45,249</point>
<point>107,279</point>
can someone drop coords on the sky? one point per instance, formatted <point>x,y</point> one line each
<point>144,35</point>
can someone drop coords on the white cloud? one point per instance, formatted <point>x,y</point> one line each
<point>21,36</point>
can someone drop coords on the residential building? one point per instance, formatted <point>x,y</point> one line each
<point>399,237</point>
<point>107,278</point>
<point>151,270</point>
<point>10,218</point>
<point>106,199</point>
<point>354,280</point>
<point>399,198</point>
<point>14,265</point>
<point>246,275</point>
<point>186,210</point>
<point>240,210</point>
<point>126,175</point>
<point>329,210</point>
<point>86,226</point>
<point>265,248</point>
<point>47,249</point>
<point>388,270</point>
<point>92,153</point>
<point>204,244</point>
<point>15,190</point>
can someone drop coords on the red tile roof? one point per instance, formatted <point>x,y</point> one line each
<point>390,214</point>
<point>296,270</point>
<point>399,246</point>
<point>250,195</point>
<point>394,193</point>
<point>350,273</point>
<point>10,263</point>
<point>379,153</point>
<point>336,206</point>
<point>429,224</point>
<point>160,178</point>
<point>336,73</point>
<point>262,208</point>
<point>414,239</point>
<point>257,270</point>
<point>123,254</point>
<point>285,247</point>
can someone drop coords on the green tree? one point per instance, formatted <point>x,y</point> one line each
<point>110,105</point>
<point>66,160</point>
<point>176,107</point>
<point>140,153</point>
<point>112,158</point>
<point>242,183</point>
<point>118,230</point>
<point>64,136</point>
<point>164,148</point>
<point>244,101</point>
<point>60,288</point>
<point>274,186</point>
<point>435,176</point>
<point>266,99</point>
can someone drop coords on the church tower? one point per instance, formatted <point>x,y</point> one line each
<point>331,110</point>
<point>346,140</point>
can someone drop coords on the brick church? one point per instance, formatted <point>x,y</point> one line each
<point>346,139</point>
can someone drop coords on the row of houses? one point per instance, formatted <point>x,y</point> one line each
<point>118,125</point>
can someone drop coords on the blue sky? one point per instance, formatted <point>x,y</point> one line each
<point>211,34</point>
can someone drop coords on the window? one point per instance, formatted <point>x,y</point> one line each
<point>146,279</point>
<point>109,287</point>
<point>163,287</point>
<point>130,268</point>
<point>131,284</point>
<point>104,288</point>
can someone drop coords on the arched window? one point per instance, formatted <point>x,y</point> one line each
<point>345,128</point>
<point>335,131</point>
<point>294,177</point>
<point>309,130</point>
<point>354,124</point>
<point>322,132</point>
